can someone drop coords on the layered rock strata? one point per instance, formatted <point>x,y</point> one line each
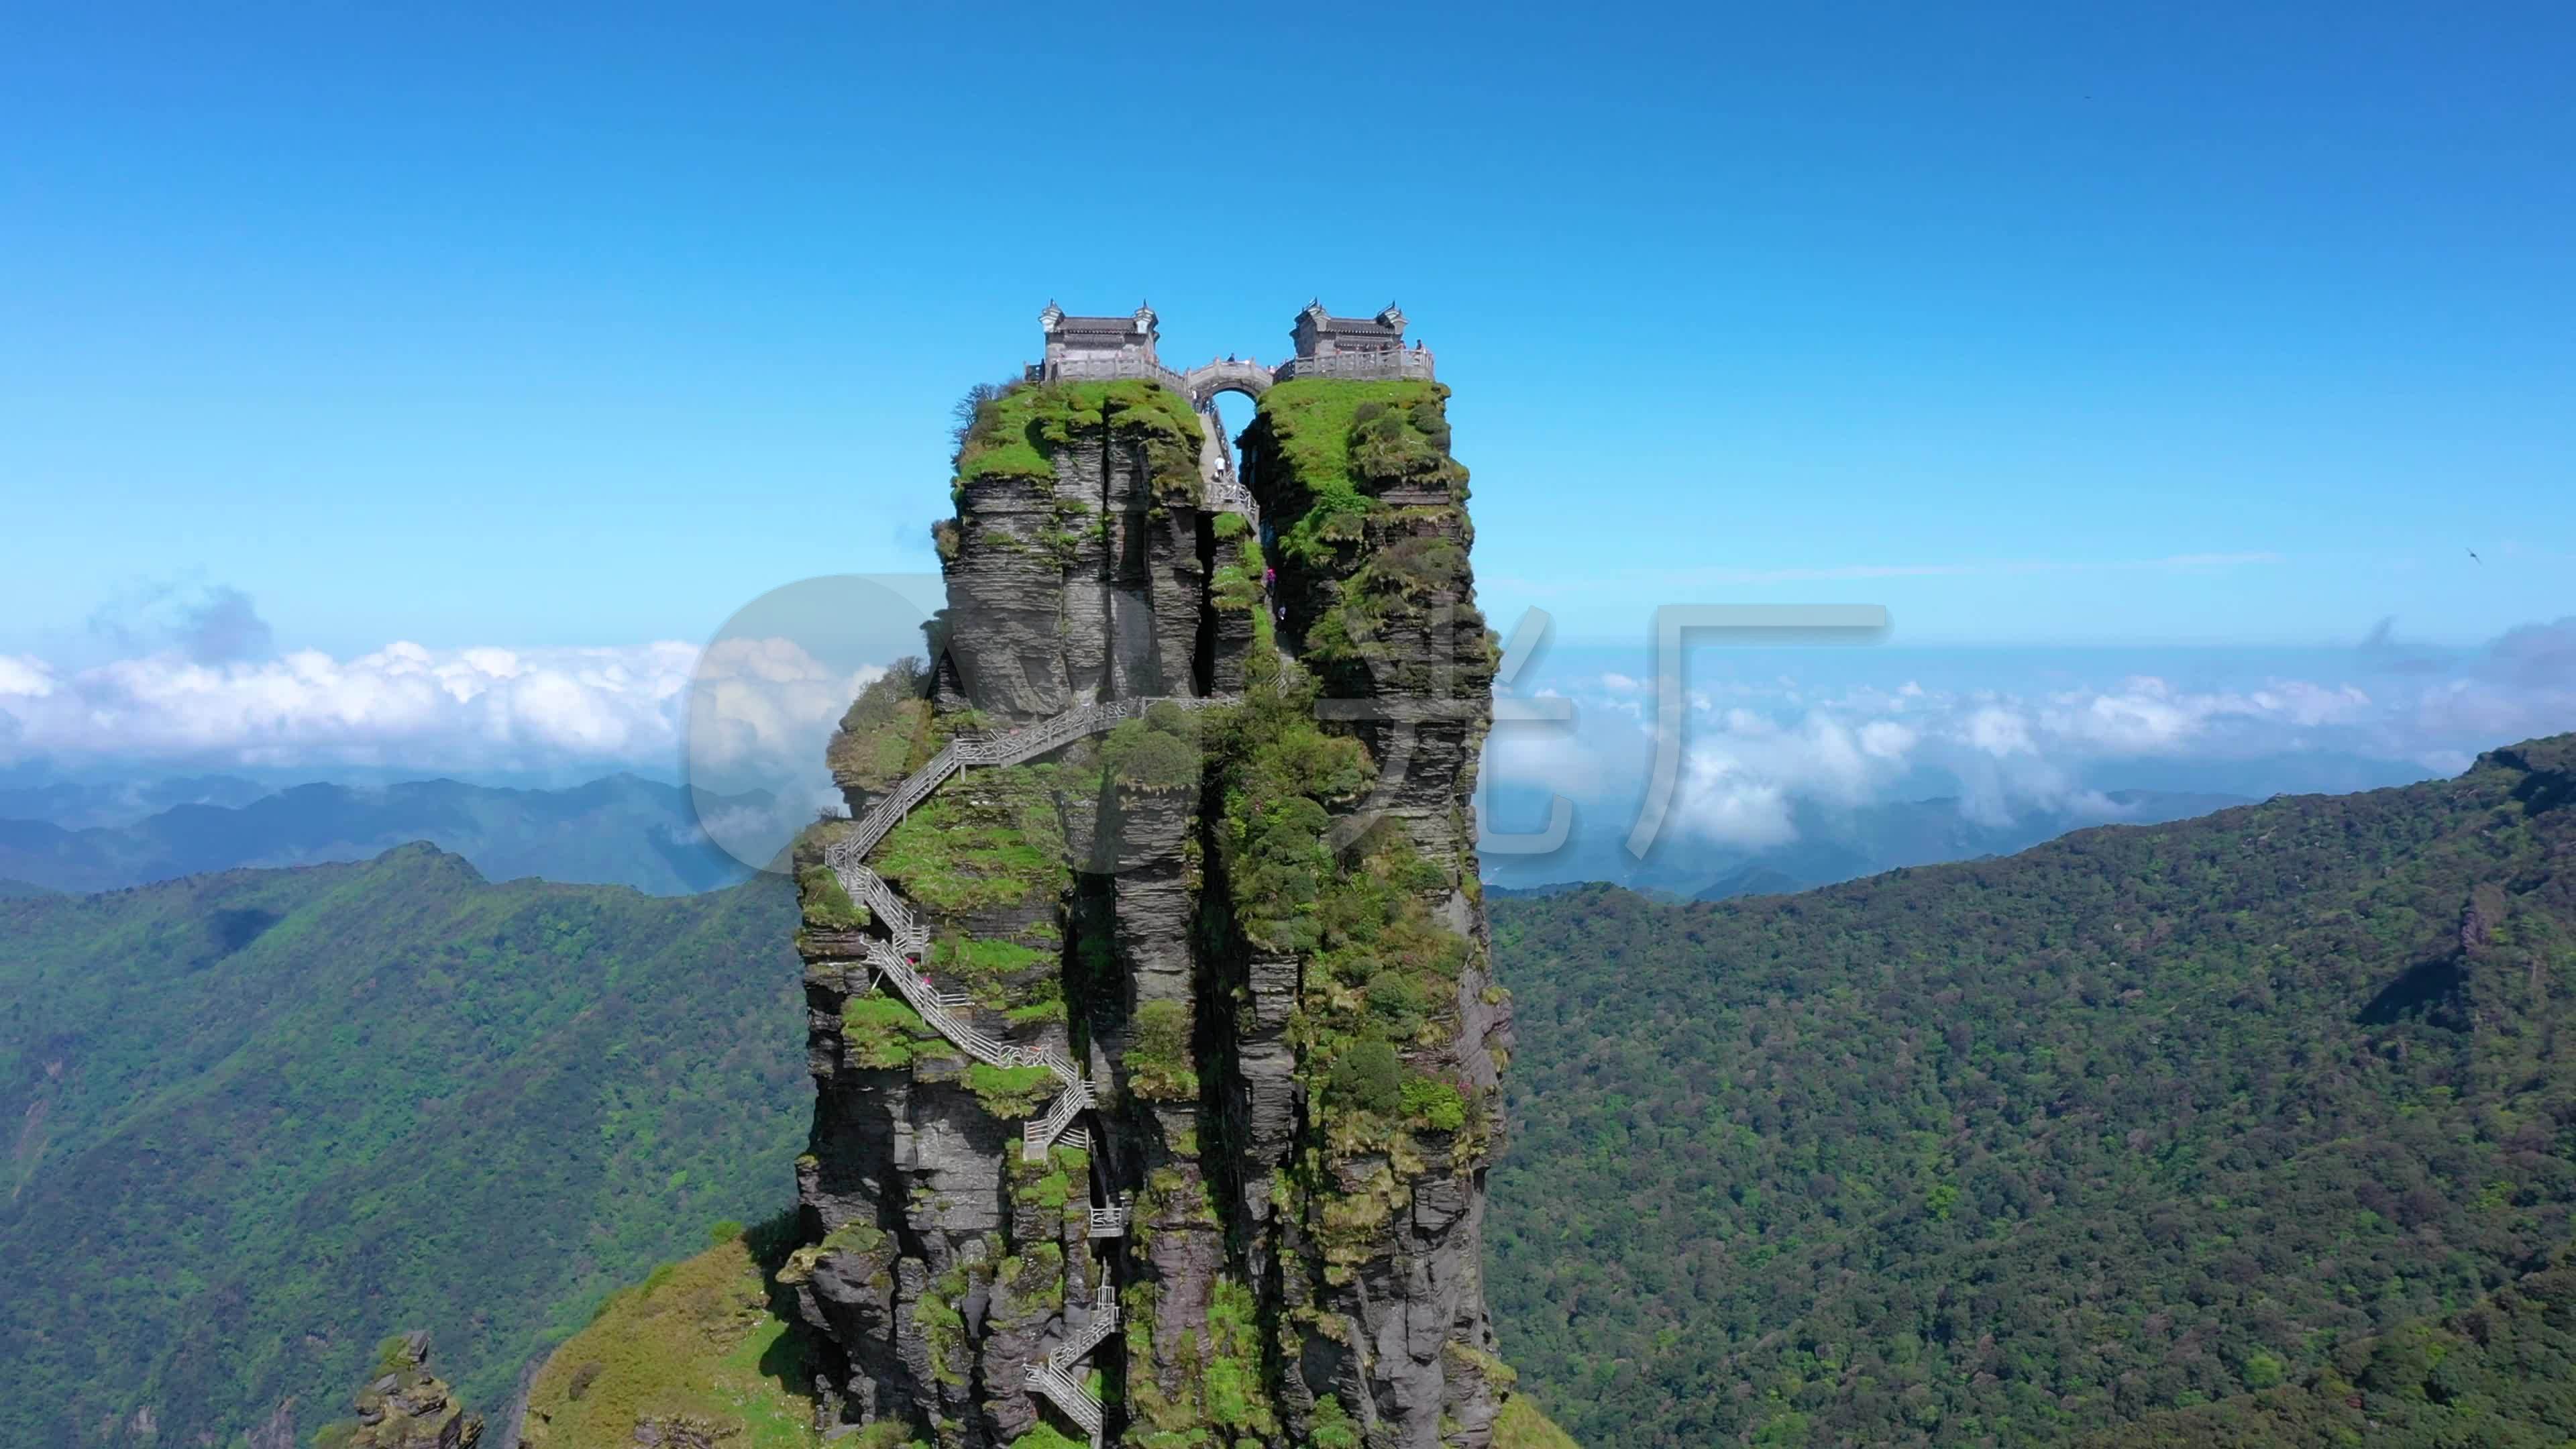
<point>1253,926</point>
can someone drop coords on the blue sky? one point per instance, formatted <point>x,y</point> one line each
<point>563,328</point>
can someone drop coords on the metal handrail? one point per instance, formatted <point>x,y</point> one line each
<point>896,961</point>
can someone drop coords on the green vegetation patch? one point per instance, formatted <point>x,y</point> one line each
<point>1010,1091</point>
<point>826,903</point>
<point>1432,1103</point>
<point>1382,971</point>
<point>698,1344</point>
<point>1523,1426</point>
<point>1280,774</point>
<point>1002,975</point>
<point>1366,1078</point>
<point>1062,1183</point>
<point>1372,522</point>
<point>1018,434</point>
<point>1235,583</point>
<point>602,1071</point>
<point>1157,753</point>
<point>2500,1374</point>
<point>1222,1398</point>
<point>884,734</point>
<point>940,1315</point>
<point>882,1031</point>
<point>991,840</point>
<point>1341,440</point>
<point>1158,1061</point>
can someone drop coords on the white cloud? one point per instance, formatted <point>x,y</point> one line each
<point>1887,740</point>
<point>1752,749</point>
<point>1998,731</point>
<point>1743,771</point>
<point>754,701</point>
<point>21,675</point>
<point>757,709</point>
<point>401,706</point>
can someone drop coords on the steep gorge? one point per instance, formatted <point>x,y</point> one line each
<point>1239,930</point>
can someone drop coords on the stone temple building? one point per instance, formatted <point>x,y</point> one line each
<point>1360,347</point>
<point>1100,348</point>
<point>1095,347</point>
<point>1318,333</point>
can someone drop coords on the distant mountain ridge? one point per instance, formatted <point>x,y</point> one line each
<point>624,829</point>
<point>1837,843</point>
<point>618,830</point>
<point>82,804</point>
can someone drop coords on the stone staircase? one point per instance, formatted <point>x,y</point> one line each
<point>896,961</point>
<point>1054,1375</point>
<point>1222,489</point>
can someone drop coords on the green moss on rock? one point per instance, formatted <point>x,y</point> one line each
<point>1009,1091</point>
<point>883,1031</point>
<point>826,904</point>
<point>1018,434</point>
<point>1158,1061</point>
<point>1341,441</point>
<point>990,841</point>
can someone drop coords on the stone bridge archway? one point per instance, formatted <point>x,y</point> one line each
<point>1204,382</point>
<point>1216,455</point>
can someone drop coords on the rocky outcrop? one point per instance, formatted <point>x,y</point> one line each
<point>1073,565</point>
<point>407,1407</point>
<point>1254,925</point>
<point>1379,1243</point>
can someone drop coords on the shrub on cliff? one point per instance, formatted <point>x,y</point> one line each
<point>1156,753</point>
<point>1367,1078</point>
<point>882,1031</point>
<point>826,902</point>
<point>1159,1060</point>
<point>1009,1091</point>
<point>881,734</point>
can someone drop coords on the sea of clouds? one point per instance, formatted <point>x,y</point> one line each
<point>2006,736</point>
<point>211,694</point>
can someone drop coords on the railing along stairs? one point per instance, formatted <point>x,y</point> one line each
<point>1054,1375</point>
<point>1111,1221</point>
<point>897,959</point>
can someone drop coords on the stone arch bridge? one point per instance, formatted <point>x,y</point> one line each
<point>1205,381</point>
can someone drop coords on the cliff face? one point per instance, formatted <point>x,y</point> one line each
<point>1226,963</point>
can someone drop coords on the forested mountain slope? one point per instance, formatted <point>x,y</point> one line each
<point>2006,1151</point>
<point>2499,1375</point>
<point>259,1120</point>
